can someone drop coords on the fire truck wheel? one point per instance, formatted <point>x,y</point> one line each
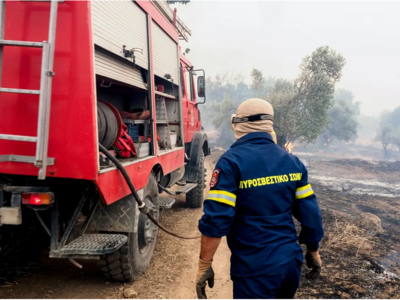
<point>132,259</point>
<point>194,198</point>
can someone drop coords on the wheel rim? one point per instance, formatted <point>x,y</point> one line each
<point>147,230</point>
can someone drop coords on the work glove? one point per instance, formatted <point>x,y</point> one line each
<point>205,273</point>
<point>314,262</point>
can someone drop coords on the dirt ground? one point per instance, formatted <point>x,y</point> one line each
<point>171,274</point>
<point>357,263</point>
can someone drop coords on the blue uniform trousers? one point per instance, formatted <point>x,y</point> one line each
<point>279,286</point>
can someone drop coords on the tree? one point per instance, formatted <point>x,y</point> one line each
<point>222,87</point>
<point>348,97</point>
<point>389,130</point>
<point>224,94</point>
<point>384,134</point>
<point>343,122</point>
<point>259,85</point>
<point>221,119</point>
<point>257,82</point>
<point>230,84</point>
<point>281,97</point>
<point>301,107</point>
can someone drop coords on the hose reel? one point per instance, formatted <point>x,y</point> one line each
<point>107,124</point>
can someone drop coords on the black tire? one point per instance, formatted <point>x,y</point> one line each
<point>195,198</point>
<point>132,259</point>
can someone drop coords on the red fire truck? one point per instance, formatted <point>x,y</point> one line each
<point>77,74</point>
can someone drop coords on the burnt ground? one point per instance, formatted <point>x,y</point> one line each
<point>356,263</point>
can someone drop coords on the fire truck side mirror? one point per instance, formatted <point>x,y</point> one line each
<point>201,87</point>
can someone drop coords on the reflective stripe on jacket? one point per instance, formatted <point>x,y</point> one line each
<point>256,188</point>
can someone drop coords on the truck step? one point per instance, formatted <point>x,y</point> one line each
<point>165,202</point>
<point>94,244</point>
<point>186,188</point>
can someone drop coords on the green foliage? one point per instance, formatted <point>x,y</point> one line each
<point>229,86</point>
<point>342,119</point>
<point>281,97</point>
<point>259,84</point>
<point>323,62</point>
<point>220,111</point>
<point>342,124</point>
<point>301,107</point>
<point>224,94</point>
<point>221,118</point>
<point>348,97</point>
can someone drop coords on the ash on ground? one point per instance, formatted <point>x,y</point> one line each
<point>360,205</point>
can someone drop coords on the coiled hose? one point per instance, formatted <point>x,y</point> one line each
<point>141,205</point>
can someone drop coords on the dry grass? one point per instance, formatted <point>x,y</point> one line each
<point>350,235</point>
<point>171,255</point>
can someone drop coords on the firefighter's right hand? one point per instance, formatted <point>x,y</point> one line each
<point>205,274</point>
<point>314,263</point>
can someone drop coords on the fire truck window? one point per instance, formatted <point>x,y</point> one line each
<point>189,85</point>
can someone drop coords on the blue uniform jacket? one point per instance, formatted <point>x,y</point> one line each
<point>255,190</point>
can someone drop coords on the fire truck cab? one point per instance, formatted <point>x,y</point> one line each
<point>77,74</point>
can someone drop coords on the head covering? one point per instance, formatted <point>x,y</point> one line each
<point>252,107</point>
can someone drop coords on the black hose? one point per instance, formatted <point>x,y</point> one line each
<point>111,127</point>
<point>165,190</point>
<point>101,124</point>
<point>142,206</point>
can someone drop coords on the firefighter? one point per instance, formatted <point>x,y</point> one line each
<point>255,190</point>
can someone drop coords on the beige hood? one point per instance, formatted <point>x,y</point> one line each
<point>251,107</point>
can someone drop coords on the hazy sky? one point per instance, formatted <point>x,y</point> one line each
<point>274,37</point>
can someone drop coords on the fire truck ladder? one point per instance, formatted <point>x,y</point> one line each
<point>41,160</point>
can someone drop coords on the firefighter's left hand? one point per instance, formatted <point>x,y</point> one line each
<point>314,262</point>
<point>205,274</point>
